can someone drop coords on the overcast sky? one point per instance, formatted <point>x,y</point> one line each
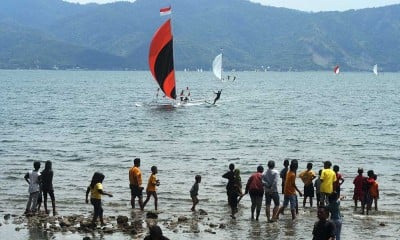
<point>305,5</point>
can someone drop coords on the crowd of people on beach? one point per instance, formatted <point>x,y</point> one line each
<point>326,186</point>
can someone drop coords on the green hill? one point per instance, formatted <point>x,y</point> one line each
<point>48,33</point>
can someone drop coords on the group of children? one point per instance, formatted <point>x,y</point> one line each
<point>365,190</point>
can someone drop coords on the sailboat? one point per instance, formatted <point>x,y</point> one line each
<point>336,69</point>
<point>217,66</point>
<point>161,58</point>
<point>375,69</point>
<point>161,61</point>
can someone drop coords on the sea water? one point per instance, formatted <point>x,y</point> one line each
<point>87,121</point>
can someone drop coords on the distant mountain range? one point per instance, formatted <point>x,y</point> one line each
<point>52,34</point>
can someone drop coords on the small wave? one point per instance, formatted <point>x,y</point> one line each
<point>12,178</point>
<point>77,159</point>
<point>9,141</point>
<point>118,146</point>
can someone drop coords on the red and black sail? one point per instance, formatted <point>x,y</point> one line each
<point>161,60</point>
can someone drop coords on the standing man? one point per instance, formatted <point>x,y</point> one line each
<point>255,188</point>
<point>135,183</point>
<point>290,191</point>
<point>339,180</point>
<point>270,180</point>
<point>328,178</point>
<point>231,181</point>
<point>307,177</point>
<point>284,172</point>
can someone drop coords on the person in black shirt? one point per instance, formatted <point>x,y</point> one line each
<point>218,95</point>
<point>324,229</point>
<point>47,186</point>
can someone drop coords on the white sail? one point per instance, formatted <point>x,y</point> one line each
<point>375,69</point>
<point>217,66</point>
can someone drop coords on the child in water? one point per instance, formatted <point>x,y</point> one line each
<point>33,179</point>
<point>323,228</point>
<point>367,199</point>
<point>194,192</point>
<point>96,190</point>
<point>358,188</point>
<point>336,217</point>
<point>47,187</point>
<point>317,185</point>
<point>152,187</point>
<point>375,192</point>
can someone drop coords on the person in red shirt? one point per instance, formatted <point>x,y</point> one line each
<point>339,180</point>
<point>358,192</point>
<point>255,189</point>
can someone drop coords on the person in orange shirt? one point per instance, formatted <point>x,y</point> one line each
<point>290,191</point>
<point>374,191</point>
<point>135,183</point>
<point>307,177</point>
<point>152,187</point>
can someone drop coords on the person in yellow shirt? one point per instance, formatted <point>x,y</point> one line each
<point>307,177</point>
<point>152,187</point>
<point>328,178</point>
<point>96,190</point>
<point>135,183</point>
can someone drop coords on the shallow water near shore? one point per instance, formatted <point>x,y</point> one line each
<point>87,121</point>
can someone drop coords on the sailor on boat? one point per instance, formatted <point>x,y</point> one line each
<point>182,95</point>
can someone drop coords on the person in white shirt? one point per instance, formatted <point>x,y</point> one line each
<point>33,179</point>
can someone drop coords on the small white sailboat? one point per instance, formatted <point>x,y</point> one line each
<point>217,66</point>
<point>375,69</point>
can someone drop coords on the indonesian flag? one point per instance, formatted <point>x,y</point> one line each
<point>165,11</point>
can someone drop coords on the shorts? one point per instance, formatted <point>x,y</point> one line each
<point>136,191</point>
<point>271,196</point>
<point>309,190</point>
<point>324,197</point>
<point>291,199</point>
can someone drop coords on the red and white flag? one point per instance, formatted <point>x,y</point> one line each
<point>165,11</point>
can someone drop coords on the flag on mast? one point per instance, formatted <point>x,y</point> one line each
<point>165,11</point>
